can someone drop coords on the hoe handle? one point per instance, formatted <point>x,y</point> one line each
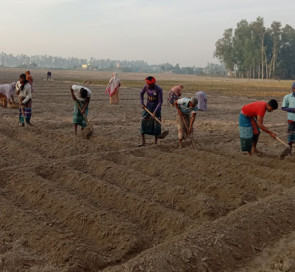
<point>282,142</point>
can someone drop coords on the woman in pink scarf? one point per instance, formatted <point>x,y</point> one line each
<point>113,89</point>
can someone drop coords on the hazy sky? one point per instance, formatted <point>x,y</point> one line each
<point>157,31</point>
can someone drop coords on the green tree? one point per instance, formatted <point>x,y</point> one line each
<point>224,49</point>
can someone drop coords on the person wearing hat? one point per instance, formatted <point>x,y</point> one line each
<point>288,105</point>
<point>186,114</point>
<point>154,102</point>
<point>251,121</point>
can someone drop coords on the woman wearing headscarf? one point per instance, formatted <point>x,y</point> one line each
<point>29,79</point>
<point>113,89</point>
<point>149,125</point>
<point>24,92</point>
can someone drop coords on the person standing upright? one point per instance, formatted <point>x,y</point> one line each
<point>113,88</point>
<point>154,103</point>
<point>288,105</point>
<point>24,92</point>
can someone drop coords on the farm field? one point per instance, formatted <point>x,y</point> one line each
<point>68,204</point>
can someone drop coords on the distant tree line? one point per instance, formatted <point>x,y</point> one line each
<point>50,62</point>
<point>254,51</point>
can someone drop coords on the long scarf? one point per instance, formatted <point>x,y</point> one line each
<point>113,85</point>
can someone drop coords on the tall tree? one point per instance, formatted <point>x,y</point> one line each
<point>275,33</point>
<point>224,49</point>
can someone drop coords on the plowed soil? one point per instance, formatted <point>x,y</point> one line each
<point>104,204</point>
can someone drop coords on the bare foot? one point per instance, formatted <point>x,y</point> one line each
<point>255,150</point>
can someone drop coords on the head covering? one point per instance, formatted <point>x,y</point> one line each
<point>293,85</point>
<point>194,100</point>
<point>113,84</point>
<point>202,98</point>
<point>150,80</point>
<point>29,77</point>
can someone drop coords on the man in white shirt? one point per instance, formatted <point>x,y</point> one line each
<point>81,95</point>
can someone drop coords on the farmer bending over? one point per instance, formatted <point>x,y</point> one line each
<point>81,95</point>
<point>251,121</point>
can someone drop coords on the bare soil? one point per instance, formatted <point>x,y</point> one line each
<point>103,204</point>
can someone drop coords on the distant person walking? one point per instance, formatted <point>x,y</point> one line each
<point>24,92</point>
<point>48,75</point>
<point>288,105</point>
<point>81,95</point>
<point>6,93</point>
<point>113,89</point>
<point>29,79</point>
<point>154,103</point>
<point>174,94</point>
<point>251,121</point>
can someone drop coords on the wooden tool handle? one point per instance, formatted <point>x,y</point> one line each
<point>22,109</point>
<point>282,142</point>
<point>155,116</point>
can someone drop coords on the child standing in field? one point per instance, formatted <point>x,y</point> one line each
<point>81,95</point>
<point>288,105</point>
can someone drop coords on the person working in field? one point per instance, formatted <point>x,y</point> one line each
<point>186,114</point>
<point>48,75</point>
<point>288,105</point>
<point>202,100</point>
<point>154,102</point>
<point>30,79</point>
<point>6,93</point>
<point>251,121</point>
<point>113,89</point>
<point>81,96</point>
<point>174,94</point>
<point>24,92</point>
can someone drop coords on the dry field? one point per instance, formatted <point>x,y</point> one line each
<point>103,204</point>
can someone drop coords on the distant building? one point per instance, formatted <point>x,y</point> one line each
<point>86,66</point>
